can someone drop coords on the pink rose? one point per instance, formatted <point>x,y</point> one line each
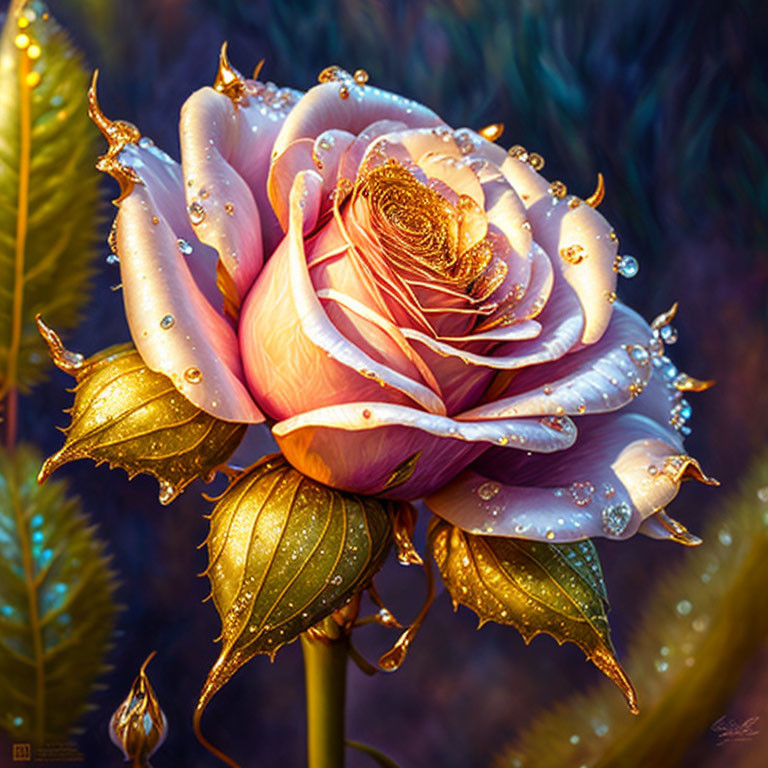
<point>407,302</point>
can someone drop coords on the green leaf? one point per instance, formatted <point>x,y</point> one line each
<point>284,552</point>
<point>134,418</point>
<point>534,586</point>
<point>49,188</point>
<point>57,609</point>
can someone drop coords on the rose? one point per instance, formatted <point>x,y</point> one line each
<point>420,312</point>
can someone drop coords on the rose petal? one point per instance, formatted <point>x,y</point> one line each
<point>175,329</point>
<point>604,376</point>
<point>358,446</point>
<point>226,149</point>
<point>622,469</point>
<point>295,358</point>
<point>562,231</point>
<point>557,227</point>
<point>322,108</point>
<point>454,173</point>
<point>162,176</point>
<point>305,155</point>
<point>561,322</point>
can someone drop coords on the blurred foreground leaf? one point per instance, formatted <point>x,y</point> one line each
<point>702,625</point>
<point>57,609</point>
<point>534,586</point>
<point>134,418</point>
<point>284,552</point>
<point>49,188</point>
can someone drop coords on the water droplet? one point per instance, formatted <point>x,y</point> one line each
<point>550,535</point>
<point>193,375</point>
<point>639,355</point>
<point>668,334</point>
<point>627,266</point>
<point>573,254</point>
<point>488,490</point>
<point>184,246</point>
<point>574,739</point>
<point>684,607</point>
<point>196,212</point>
<point>582,493</point>
<point>661,665</point>
<point>167,492</point>
<point>616,518</point>
<point>558,190</point>
<point>229,208</point>
<point>668,371</point>
<point>167,322</point>
<point>336,580</point>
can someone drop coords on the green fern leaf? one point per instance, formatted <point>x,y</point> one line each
<point>49,189</point>
<point>57,609</point>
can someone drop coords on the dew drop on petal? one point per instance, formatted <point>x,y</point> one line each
<point>196,212</point>
<point>627,266</point>
<point>193,375</point>
<point>488,490</point>
<point>184,246</point>
<point>668,334</point>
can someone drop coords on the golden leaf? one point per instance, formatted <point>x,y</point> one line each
<point>284,552</point>
<point>534,586</point>
<point>134,418</point>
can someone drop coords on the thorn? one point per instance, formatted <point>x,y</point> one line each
<point>492,132</point>
<point>686,383</point>
<point>597,196</point>
<point>665,318</point>
<point>678,532</point>
<point>229,81</point>
<point>69,362</point>
<point>118,134</point>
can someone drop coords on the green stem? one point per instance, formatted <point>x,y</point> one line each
<point>325,668</point>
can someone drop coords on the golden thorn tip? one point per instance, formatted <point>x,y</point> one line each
<point>597,196</point>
